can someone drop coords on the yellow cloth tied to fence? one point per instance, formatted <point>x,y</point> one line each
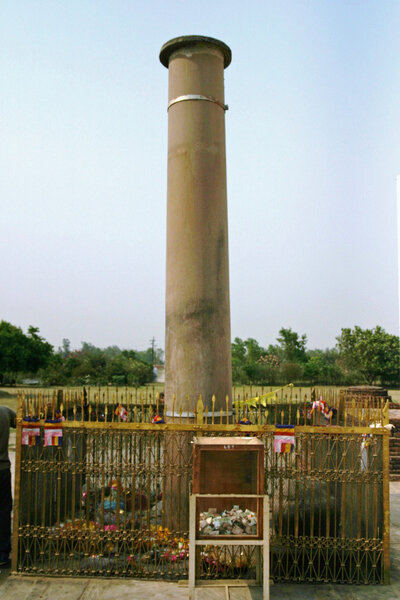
<point>260,400</point>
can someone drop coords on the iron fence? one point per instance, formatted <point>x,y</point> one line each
<point>108,494</point>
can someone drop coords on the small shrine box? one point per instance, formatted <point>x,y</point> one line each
<point>225,471</point>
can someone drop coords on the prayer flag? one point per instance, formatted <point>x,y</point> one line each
<point>30,431</point>
<point>284,438</point>
<point>52,437</point>
<point>157,420</point>
<point>53,432</point>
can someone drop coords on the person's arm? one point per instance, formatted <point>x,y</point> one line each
<point>12,415</point>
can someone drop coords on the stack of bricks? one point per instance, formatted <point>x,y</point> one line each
<point>394,445</point>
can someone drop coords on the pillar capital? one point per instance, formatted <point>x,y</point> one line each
<point>187,41</point>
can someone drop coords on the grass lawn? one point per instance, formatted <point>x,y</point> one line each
<point>8,395</point>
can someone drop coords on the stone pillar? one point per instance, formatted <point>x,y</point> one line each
<point>198,344</point>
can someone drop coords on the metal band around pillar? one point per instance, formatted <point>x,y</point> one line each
<point>196,97</point>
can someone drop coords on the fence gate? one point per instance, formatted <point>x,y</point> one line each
<point>105,491</point>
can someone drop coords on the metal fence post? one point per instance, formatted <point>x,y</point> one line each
<point>386,508</point>
<point>17,486</point>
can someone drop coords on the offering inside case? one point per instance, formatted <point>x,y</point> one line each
<point>230,522</point>
<point>227,480</point>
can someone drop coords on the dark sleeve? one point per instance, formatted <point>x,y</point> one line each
<point>12,417</point>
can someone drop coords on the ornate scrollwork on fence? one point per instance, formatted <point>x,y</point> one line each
<point>112,498</point>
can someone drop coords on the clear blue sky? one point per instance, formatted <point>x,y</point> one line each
<point>313,150</point>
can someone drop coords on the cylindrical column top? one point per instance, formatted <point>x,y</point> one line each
<point>190,41</point>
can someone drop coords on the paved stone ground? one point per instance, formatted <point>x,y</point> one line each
<point>42,588</point>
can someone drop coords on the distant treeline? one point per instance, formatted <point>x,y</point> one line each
<point>28,355</point>
<point>369,356</point>
<point>361,356</point>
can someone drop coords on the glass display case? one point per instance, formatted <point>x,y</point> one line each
<point>228,482</point>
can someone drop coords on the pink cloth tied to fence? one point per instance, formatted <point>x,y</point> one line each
<point>53,432</point>
<point>284,438</point>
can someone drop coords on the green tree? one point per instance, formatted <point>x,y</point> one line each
<point>124,370</point>
<point>322,367</point>
<point>21,353</point>
<point>238,350</point>
<point>139,373</point>
<point>251,363</point>
<point>65,348</point>
<point>152,355</point>
<point>253,350</point>
<point>13,348</point>
<point>96,366</point>
<point>112,351</point>
<point>269,368</point>
<point>54,373</point>
<point>291,372</point>
<point>293,346</point>
<point>370,354</point>
<point>38,350</point>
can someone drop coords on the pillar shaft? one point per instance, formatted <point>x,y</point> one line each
<point>198,345</point>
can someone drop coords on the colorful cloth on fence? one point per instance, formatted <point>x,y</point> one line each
<point>284,438</point>
<point>366,441</point>
<point>321,406</point>
<point>53,432</point>
<point>157,420</point>
<point>121,412</point>
<point>30,431</point>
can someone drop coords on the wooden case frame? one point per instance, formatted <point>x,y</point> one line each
<point>223,467</point>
